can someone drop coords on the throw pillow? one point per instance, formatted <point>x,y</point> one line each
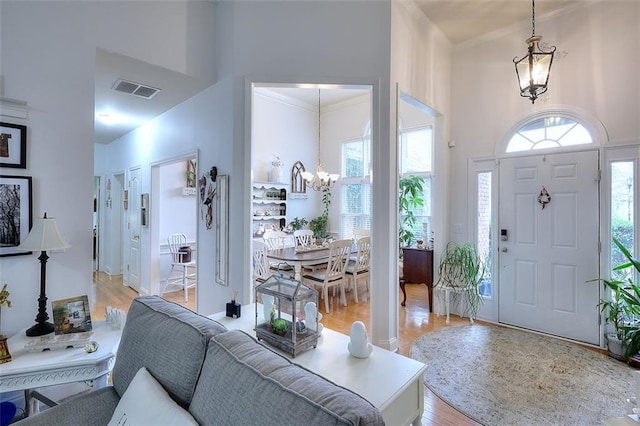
<point>145,402</point>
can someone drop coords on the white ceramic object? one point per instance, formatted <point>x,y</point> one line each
<point>359,345</point>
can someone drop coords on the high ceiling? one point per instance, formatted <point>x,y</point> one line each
<point>464,20</point>
<point>459,20</point>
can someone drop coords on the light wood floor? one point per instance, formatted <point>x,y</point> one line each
<point>415,320</point>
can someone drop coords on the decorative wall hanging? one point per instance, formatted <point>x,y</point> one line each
<point>222,231</point>
<point>207,194</point>
<point>298,184</point>
<point>13,145</point>
<point>544,198</point>
<point>16,218</point>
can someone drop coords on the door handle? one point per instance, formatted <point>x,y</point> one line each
<point>136,237</point>
<point>504,249</point>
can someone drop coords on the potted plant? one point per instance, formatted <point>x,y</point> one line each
<point>319,226</point>
<point>298,223</point>
<point>462,270</point>
<point>622,307</point>
<point>411,198</point>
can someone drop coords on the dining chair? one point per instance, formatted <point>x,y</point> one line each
<point>358,267</point>
<point>181,259</point>
<point>334,274</point>
<point>278,240</point>
<point>359,233</point>
<point>261,266</point>
<point>303,237</point>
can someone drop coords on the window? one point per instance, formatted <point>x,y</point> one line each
<point>355,205</point>
<point>549,132</point>
<point>622,212</point>
<point>483,221</point>
<point>416,155</point>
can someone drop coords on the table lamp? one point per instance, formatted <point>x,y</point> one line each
<point>43,236</point>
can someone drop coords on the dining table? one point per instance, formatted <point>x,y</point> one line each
<point>299,257</point>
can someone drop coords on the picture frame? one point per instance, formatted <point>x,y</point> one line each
<point>13,145</point>
<point>72,315</point>
<point>16,201</point>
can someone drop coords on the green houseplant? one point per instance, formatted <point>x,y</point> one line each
<point>462,269</point>
<point>410,198</point>
<point>298,223</point>
<point>320,224</point>
<point>623,307</point>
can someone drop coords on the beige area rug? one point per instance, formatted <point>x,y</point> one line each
<point>502,376</point>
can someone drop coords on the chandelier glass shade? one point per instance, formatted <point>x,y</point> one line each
<point>533,70</point>
<point>321,179</point>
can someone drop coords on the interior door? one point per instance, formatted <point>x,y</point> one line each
<point>132,203</point>
<point>551,248</point>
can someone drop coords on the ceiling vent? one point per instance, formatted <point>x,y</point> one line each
<point>135,89</point>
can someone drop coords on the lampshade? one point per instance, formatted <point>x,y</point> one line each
<point>44,236</point>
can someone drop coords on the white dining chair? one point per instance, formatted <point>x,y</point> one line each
<point>182,260</point>
<point>278,240</point>
<point>359,233</point>
<point>358,267</point>
<point>261,268</point>
<point>334,274</point>
<point>303,237</point>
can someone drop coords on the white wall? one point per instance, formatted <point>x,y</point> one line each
<point>48,60</point>
<point>285,128</point>
<point>176,215</point>
<point>594,73</point>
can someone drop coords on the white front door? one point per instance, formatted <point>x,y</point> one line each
<point>133,208</point>
<point>550,249</point>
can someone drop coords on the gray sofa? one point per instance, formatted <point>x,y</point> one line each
<point>220,377</point>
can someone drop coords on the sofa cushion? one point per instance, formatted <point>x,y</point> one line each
<point>94,408</point>
<point>243,382</point>
<point>169,340</point>
<point>145,402</point>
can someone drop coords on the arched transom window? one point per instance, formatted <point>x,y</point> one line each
<point>549,132</point>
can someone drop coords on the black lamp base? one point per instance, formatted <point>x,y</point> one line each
<point>40,329</point>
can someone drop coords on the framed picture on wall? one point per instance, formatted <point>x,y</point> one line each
<point>13,145</point>
<point>16,217</point>
<point>71,315</point>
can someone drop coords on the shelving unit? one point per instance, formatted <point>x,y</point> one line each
<point>269,204</point>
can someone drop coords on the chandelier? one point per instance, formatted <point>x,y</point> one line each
<point>321,179</point>
<point>533,70</point>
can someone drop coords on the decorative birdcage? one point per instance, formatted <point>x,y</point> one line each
<point>289,314</point>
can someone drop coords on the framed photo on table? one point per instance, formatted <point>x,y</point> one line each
<point>13,145</point>
<point>16,217</point>
<point>71,315</point>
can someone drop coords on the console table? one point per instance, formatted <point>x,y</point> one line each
<point>30,370</point>
<point>391,382</point>
<point>417,267</point>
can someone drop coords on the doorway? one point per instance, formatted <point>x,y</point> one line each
<point>549,222</point>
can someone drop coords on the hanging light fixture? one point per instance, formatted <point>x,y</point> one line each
<point>533,70</point>
<point>321,179</point>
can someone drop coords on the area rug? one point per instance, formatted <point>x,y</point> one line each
<point>502,376</point>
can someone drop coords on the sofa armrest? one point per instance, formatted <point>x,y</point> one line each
<point>94,408</point>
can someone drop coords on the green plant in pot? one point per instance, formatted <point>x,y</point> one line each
<point>319,226</point>
<point>623,306</point>
<point>410,198</point>
<point>462,270</point>
<point>298,223</point>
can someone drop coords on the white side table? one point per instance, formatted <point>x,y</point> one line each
<point>30,370</point>
<point>391,382</point>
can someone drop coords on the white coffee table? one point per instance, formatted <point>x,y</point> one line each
<point>391,382</point>
<point>30,370</point>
